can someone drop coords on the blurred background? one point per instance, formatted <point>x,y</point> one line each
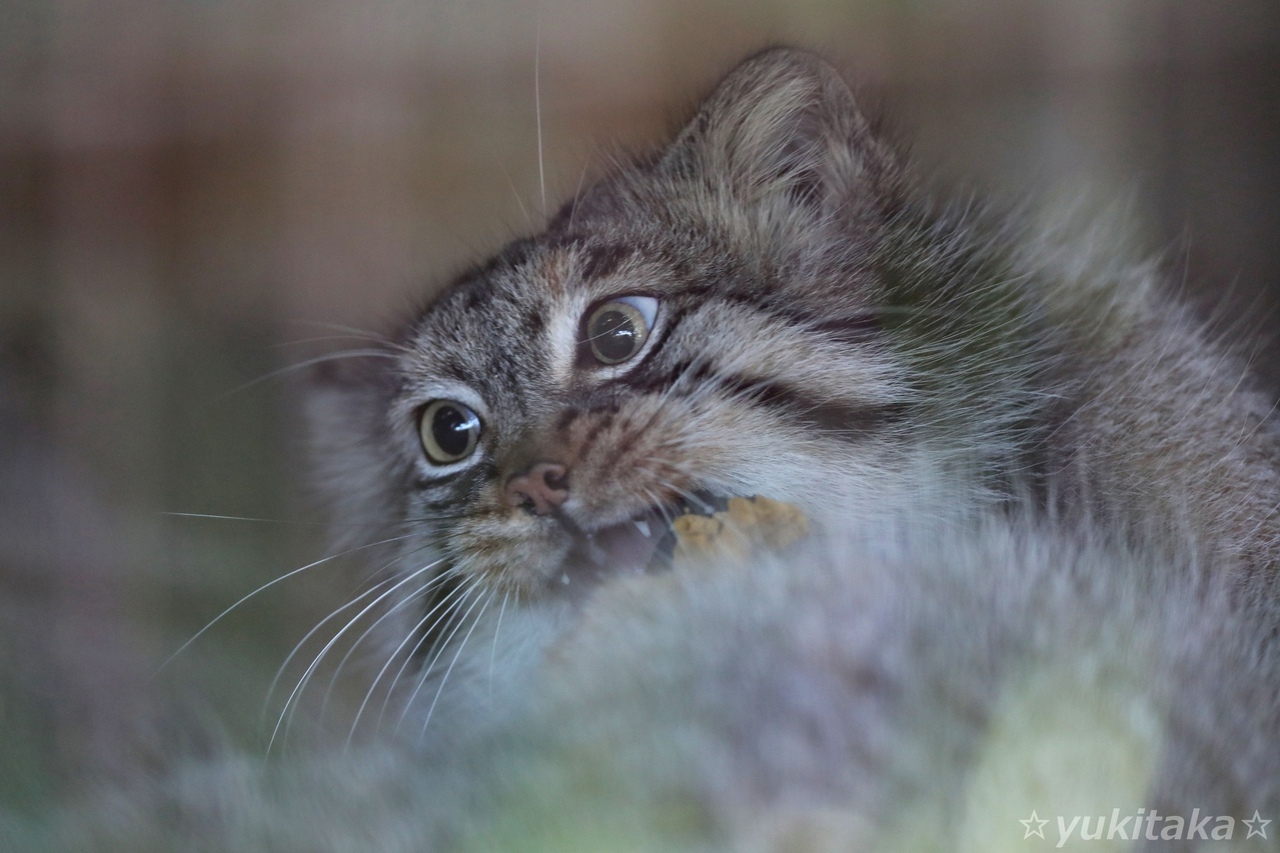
<point>195,195</point>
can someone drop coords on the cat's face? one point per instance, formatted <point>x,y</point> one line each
<point>696,327</point>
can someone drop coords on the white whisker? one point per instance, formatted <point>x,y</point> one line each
<point>493,656</point>
<point>577,193</point>
<point>302,365</point>
<point>524,211</point>
<point>306,676</point>
<point>413,596</point>
<point>275,682</point>
<point>215,517</point>
<point>357,332</point>
<point>537,106</point>
<point>266,586</point>
<point>391,658</point>
<point>462,645</point>
<point>439,650</point>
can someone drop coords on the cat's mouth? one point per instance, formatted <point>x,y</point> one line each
<point>643,543</point>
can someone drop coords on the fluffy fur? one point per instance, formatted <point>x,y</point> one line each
<point>1048,509</point>
<point>906,687</point>
<point>825,337</point>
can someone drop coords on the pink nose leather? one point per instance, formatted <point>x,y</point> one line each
<point>545,485</point>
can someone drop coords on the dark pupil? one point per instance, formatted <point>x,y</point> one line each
<point>451,428</point>
<point>614,335</point>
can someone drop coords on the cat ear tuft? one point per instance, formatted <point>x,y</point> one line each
<point>784,121</point>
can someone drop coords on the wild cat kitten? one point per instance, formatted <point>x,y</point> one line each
<point>1044,512</point>
<point>767,308</point>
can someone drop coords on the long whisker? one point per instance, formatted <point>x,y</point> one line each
<point>215,517</point>
<point>289,709</point>
<point>302,365</point>
<point>515,192</point>
<point>306,676</point>
<point>433,519</point>
<point>343,327</point>
<point>391,658</point>
<point>493,656</point>
<point>441,622</point>
<point>411,597</point>
<point>266,703</point>
<point>439,647</point>
<point>266,586</point>
<point>357,332</point>
<point>322,339</point>
<point>445,678</point>
<point>537,105</point>
<point>352,603</point>
<point>573,211</point>
<point>309,672</point>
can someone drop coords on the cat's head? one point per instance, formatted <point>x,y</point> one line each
<point>699,325</point>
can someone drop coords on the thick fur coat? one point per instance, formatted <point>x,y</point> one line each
<point>1045,504</point>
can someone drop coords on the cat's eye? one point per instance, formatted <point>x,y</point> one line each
<point>616,330</point>
<point>450,431</point>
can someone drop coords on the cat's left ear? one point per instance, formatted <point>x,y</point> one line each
<point>784,124</point>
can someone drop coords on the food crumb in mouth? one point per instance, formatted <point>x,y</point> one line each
<point>748,525</point>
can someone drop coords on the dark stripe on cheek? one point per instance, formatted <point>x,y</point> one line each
<point>846,420</point>
<point>599,426</point>
<point>442,481</point>
<point>853,329</point>
<point>460,482</point>
<point>652,382</point>
<point>567,417</point>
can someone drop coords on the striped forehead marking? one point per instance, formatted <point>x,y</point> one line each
<point>560,310</point>
<point>562,335</point>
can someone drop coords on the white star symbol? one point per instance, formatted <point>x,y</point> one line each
<point>1260,829</point>
<point>1039,822</point>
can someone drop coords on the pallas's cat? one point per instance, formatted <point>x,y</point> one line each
<point>1036,512</point>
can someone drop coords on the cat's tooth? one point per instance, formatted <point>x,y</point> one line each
<point>643,527</point>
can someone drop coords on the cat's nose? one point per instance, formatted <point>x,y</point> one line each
<point>541,488</point>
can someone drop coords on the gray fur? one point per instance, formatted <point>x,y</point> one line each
<point>914,686</point>
<point>826,337</point>
<point>1048,504</point>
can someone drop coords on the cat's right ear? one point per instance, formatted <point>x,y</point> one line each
<point>784,125</point>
